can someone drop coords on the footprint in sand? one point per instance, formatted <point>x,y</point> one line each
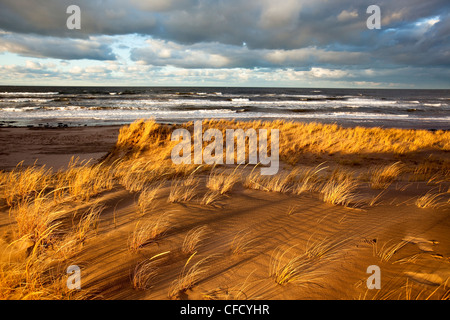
<point>422,243</point>
<point>438,277</point>
<point>426,278</point>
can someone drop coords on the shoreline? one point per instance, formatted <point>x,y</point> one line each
<point>346,123</point>
<point>55,145</point>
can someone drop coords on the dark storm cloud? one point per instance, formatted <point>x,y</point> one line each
<point>211,33</point>
<point>260,23</point>
<point>423,43</point>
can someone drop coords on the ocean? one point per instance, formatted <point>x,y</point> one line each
<point>92,106</point>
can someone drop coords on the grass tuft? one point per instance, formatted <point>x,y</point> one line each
<point>431,199</point>
<point>382,177</point>
<point>148,230</point>
<point>297,269</point>
<point>340,192</point>
<point>192,239</point>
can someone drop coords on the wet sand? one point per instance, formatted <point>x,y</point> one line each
<point>54,146</point>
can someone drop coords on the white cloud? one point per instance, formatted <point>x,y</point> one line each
<point>168,53</point>
<point>347,15</point>
<point>96,69</point>
<point>76,70</point>
<point>33,65</point>
<point>327,73</point>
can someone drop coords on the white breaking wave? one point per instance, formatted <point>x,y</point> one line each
<point>433,104</point>
<point>76,113</point>
<point>26,100</point>
<point>24,109</point>
<point>374,102</point>
<point>240,99</point>
<point>28,93</point>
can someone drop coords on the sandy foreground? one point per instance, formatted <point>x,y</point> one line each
<point>249,243</point>
<point>54,147</point>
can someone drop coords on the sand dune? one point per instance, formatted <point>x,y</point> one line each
<point>253,243</point>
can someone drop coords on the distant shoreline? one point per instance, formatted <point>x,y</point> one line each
<point>48,107</point>
<point>408,125</point>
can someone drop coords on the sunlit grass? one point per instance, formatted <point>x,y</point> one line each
<point>431,199</point>
<point>188,276</point>
<point>383,176</point>
<point>183,190</point>
<point>244,243</point>
<point>286,267</point>
<point>340,192</point>
<point>146,272</point>
<point>193,239</point>
<point>222,182</point>
<point>148,230</point>
<point>146,198</point>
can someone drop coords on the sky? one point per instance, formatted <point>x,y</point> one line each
<point>252,43</point>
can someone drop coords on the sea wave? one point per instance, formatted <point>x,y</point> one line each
<point>28,93</point>
<point>433,104</point>
<point>21,100</point>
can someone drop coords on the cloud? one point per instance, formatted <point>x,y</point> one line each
<point>419,43</point>
<point>216,55</point>
<point>347,15</point>
<point>164,53</point>
<point>162,5</point>
<point>279,14</point>
<point>319,39</point>
<point>261,23</point>
<point>52,47</point>
<point>33,65</point>
<point>327,73</point>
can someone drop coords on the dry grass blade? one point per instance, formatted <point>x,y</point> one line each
<point>188,277</point>
<point>429,200</point>
<point>222,182</point>
<point>146,199</point>
<point>296,269</point>
<point>35,215</point>
<point>148,230</point>
<point>183,190</point>
<point>282,182</point>
<point>88,221</point>
<point>192,239</point>
<point>382,177</point>
<point>374,200</point>
<point>308,180</point>
<point>387,252</point>
<point>243,244</point>
<point>86,180</point>
<point>340,192</point>
<point>22,183</point>
<point>321,248</point>
<point>210,197</point>
<point>145,272</point>
<point>292,210</point>
<point>233,293</point>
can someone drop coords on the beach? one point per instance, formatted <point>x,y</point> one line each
<point>160,231</point>
<point>54,146</point>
